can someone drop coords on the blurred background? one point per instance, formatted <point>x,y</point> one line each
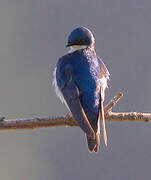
<point>33,35</point>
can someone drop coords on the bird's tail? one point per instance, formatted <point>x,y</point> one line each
<point>93,144</point>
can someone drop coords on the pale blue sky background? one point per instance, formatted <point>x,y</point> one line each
<point>33,34</point>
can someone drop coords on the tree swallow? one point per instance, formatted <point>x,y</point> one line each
<point>80,80</point>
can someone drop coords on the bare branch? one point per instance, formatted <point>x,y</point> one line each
<point>32,123</point>
<point>129,116</point>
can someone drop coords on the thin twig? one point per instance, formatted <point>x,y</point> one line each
<point>32,123</point>
<point>108,108</point>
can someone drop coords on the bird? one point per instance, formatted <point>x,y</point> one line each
<point>80,81</point>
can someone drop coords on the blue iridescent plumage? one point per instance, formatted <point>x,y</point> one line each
<point>81,78</point>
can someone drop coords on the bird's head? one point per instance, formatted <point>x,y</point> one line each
<point>80,38</point>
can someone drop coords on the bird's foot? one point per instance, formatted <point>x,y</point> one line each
<point>68,115</point>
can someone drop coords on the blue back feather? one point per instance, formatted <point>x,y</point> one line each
<point>85,71</point>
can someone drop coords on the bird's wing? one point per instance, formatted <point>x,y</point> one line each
<point>70,93</point>
<point>104,70</point>
<point>102,119</point>
<point>104,76</point>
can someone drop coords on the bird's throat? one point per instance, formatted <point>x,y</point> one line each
<point>76,47</point>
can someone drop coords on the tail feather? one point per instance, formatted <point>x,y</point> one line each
<point>101,117</point>
<point>93,144</point>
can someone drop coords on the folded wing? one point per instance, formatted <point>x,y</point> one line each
<point>70,93</point>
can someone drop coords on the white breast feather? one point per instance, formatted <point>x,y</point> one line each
<point>102,85</point>
<point>57,90</point>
